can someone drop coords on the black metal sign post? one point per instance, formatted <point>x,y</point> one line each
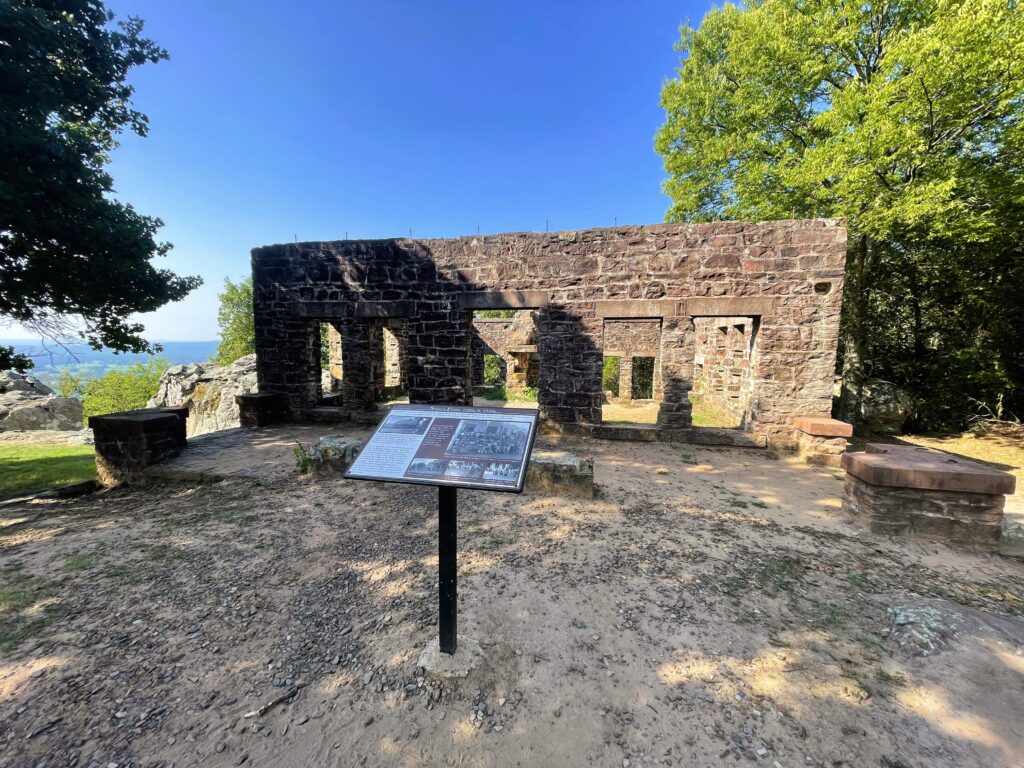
<point>450,447</point>
<point>447,567</point>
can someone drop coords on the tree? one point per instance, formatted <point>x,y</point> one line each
<point>235,321</point>
<point>73,259</point>
<point>902,116</point>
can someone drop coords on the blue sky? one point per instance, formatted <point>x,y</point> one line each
<point>273,121</point>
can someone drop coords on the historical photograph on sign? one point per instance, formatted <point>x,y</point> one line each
<point>489,439</point>
<point>427,467</point>
<point>502,471</point>
<point>464,469</point>
<point>406,425</point>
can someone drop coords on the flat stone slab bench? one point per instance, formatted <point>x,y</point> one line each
<point>927,494</point>
<point>554,472</point>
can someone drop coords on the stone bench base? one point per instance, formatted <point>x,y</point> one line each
<point>952,517</point>
<point>932,495</point>
<point>128,442</point>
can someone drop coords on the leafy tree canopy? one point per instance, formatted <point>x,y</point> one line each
<point>906,117</point>
<point>235,321</point>
<point>72,258</point>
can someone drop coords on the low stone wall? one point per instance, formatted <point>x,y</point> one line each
<point>926,494</point>
<point>126,443</point>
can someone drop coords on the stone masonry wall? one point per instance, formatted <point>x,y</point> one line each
<point>723,375</point>
<point>788,273</point>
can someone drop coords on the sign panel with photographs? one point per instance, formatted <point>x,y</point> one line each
<point>463,446</point>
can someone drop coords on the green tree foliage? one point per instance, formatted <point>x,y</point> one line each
<point>491,314</point>
<point>72,257</point>
<point>904,117</point>
<point>69,384</point>
<point>235,321</point>
<point>492,371</point>
<point>123,389</point>
<point>610,375</point>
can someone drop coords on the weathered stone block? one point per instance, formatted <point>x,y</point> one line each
<point>126,443</point>
<point>560,473</point>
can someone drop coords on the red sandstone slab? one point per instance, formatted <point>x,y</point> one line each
<point>821,427</point>
<point>910,467</point>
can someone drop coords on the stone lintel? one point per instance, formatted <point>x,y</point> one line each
<point>910,467</point>
<point>636,308</point>
<point>725,306</point>
<point>322,309</point>
<point>384,309</point>
<point>502,300</point>
<point>822,427</point>
<point>637,352</point>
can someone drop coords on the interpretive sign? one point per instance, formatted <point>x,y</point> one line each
<point>462,446</point>
<point>452,447</point>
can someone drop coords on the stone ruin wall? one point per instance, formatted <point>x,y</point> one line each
<point>787,273</point>
<point>723,373</point>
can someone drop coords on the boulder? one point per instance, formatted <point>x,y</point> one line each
<point>21,385</point>
<point>209,392</point>
<point>28,404</point>
<point>47,412</point>
<point>884,407</point>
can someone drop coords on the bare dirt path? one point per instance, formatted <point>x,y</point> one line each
<point>711,607</point>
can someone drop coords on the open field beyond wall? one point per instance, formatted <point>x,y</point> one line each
<point>710,607</point>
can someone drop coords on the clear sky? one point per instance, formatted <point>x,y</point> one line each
<point>316,120</point>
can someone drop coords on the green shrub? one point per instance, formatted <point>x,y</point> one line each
<point>610,375</point>
<point>122,389</point>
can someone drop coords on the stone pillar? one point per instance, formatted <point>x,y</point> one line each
<point>677,354</point>
<point>821,441</point>
<point>625,377</point>
<point>362,348</point>
<point>438,337</point>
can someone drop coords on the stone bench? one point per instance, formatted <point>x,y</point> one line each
<point>926,494</point>
<point>129,441</point>
<point>557,473</point>
<point>821,441</point>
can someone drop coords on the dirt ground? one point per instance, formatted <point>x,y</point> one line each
<point>711,607</point>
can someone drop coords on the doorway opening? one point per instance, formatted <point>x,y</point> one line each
<point>723,382</point>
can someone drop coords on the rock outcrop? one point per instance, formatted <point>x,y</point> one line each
<point>28,404</point>
<point>209,392</point>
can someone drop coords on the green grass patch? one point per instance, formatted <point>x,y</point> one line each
<point>79,561</point>
<point>22,612</point>
<point>41,466</point>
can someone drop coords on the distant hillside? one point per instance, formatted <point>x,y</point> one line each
<point>81,359</point>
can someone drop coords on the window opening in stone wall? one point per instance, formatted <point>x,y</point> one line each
<point>631,396</point>
<point>330,365</point>
<point>505,357</point>
<point>393,339</point>
<point>723,383</point>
